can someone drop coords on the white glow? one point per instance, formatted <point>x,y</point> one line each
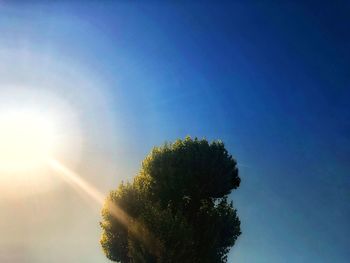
<point>27,139</point>
<point>50,107</point>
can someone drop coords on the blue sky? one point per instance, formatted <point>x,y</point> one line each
<point>270,80</point>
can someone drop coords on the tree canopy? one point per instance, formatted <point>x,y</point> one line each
<point>177,207</point>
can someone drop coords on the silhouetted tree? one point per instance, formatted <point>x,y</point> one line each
<point>177,207</point>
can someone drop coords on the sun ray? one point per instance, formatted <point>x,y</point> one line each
<point>76,180</point>
<point>135,228</point>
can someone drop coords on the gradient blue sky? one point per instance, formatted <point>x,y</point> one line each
<point>270,80</point>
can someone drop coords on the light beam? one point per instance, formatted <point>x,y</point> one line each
<point>135,228</point>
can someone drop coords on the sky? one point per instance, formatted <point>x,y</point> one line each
<point>271,80</point>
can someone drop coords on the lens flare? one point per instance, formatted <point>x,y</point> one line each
<point>137,229</point>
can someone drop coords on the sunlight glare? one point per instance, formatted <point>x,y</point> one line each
<point>27,139</point>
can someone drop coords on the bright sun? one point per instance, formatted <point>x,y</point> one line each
<point>27,140</point>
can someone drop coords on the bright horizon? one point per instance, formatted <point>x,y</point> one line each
<point>87,89</point>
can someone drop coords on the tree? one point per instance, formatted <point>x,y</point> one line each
<point>177,208</point>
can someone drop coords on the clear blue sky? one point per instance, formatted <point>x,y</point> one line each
<point>270,80</point>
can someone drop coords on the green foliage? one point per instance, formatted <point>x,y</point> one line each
<point>177,206</point>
